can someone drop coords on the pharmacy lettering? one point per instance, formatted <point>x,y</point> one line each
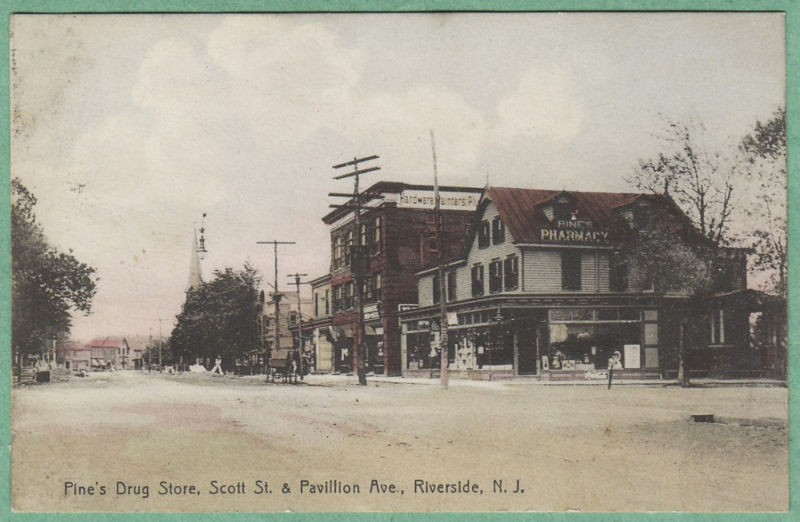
<point>573,236</point>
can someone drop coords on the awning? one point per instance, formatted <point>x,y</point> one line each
<point>339,332</point>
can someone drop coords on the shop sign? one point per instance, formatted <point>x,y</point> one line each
<point>632,356</point>
<point>371,312</point>
<point>452,318</point>
<point>561,235</point>
<point>448,200</point>
<point>406,307</point>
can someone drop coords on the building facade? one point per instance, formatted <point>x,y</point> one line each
<point>540,288</point>
<point>319,332</point>
<point>398,229</point>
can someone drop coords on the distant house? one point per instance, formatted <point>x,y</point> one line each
<point>74,356</point>
<point>114,352</point>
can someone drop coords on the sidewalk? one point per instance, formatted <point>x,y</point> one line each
<point>323,379</point>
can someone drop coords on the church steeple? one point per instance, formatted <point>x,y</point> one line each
<point>195,275</point>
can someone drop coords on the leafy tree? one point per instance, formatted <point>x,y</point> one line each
<point>764,151</point>
<point>218,318</point>
<point>679,262</point>
<point>45,284</point>
<point>700,181</point>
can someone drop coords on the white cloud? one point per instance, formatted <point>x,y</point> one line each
<point>546,104</point>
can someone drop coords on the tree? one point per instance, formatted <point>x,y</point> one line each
<point>764,152</point>
<point>218,318</point>
<point>45,284</point>
<point>699,180</point>
<point>680,266</point>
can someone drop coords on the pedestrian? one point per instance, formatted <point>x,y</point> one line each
<point>217,366</point>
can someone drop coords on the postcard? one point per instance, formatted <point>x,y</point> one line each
<point>399,262</point>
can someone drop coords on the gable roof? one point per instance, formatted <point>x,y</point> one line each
<point>106,342</point>
<point>521,209</point>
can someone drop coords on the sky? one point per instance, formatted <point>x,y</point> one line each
<point>128,128</point>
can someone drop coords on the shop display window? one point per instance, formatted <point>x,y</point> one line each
<point>586,346</point>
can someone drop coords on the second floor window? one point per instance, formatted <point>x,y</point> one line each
<point>375,241</point>
<point>498,231</point>
<point>348,249</point>
<point>327,302</point>
<point>511,272</point>
<point>495,276</point>
<point>337,252</point>
<point>570,270</point>
<point>477,280</point>
<point>436,288</point>
<point>483,234</point>
<point>316,304</point>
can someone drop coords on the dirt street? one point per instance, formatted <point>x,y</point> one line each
<point>244,446</point>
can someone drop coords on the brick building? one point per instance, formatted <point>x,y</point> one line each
<point>398,228</point>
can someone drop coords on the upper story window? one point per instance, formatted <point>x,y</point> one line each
<point>363,235</point>
<point>511,272</point>
<point>375,241</point>
<point>495,276</point>
<point>483,234</point>
<point>498,231</point>
<point>477,280</point>
<point>316,304</point>
<point>570,270</point>
<point>378,287</point>
<point>292,317</point>
<point>451,285</point>
<point>337,252</point>
<point>348,248</point>
<point>337,298</point>
<point>436,288</point>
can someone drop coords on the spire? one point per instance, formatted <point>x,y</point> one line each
<point>195,275</point>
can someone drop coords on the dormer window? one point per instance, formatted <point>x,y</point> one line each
<point>498,231</point>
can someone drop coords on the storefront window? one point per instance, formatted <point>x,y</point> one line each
<point>585,339</point>
<point>420,355</point>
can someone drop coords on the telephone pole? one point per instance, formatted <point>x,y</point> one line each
<point>276,295</point>
<point>160,342</point>
<point>443,372</point>
<point>358,254</point>
<point>301,341</point>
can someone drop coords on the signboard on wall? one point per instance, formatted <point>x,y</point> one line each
<point>633,356</point>
<point>449,200</point>
<point>560,235</point>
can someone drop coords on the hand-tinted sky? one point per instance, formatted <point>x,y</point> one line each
<point>129,127</point>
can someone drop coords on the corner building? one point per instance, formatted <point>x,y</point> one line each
<point>540,289</point>
<point>398,227</point>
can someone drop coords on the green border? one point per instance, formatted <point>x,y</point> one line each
<point>790,7</point>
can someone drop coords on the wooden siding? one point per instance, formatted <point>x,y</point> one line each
<point>542,271</point>
<point>476,255</point>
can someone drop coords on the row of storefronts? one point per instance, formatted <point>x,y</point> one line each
<point>534,286</point>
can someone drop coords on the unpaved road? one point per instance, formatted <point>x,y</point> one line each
<point>570,447</point>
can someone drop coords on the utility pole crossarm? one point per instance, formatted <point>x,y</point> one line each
<point>357,271</point>
<point>276,295</point>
